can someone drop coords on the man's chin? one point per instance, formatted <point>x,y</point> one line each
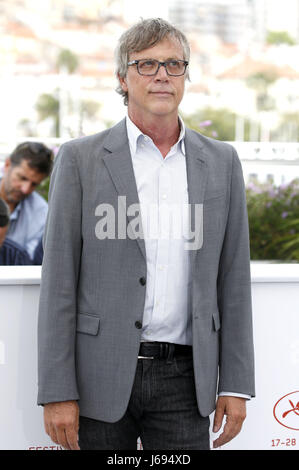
<point>14,200</point>
<point>161,109</point>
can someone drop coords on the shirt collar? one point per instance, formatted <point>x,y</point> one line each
<point>134,134</point>
<point>16,212</point>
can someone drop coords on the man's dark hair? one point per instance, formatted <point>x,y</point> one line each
<point>4,213</point>
<point>38,156</point>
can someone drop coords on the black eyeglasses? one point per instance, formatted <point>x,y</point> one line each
<point>148,67</point>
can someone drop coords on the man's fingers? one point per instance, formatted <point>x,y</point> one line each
<point>72,438</point>
<point>52,433</point>
<point>235,410</point>
<point>231,429</point>
<point>61,436</point>
<point>65,437</point>
<point>62,423</point>
<point>224,438</point>
<point>218,417</point>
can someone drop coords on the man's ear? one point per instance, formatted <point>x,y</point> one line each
<point>123,82</point>
<point>7,164</point>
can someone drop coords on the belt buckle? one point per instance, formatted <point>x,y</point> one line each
<point>145,357</point>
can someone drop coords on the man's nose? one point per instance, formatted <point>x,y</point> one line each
<point>26,187</point>
<point>161,74</point>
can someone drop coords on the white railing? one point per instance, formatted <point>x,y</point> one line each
<point>268,151</point>
<point>278,161</point>
<point>248,151</point>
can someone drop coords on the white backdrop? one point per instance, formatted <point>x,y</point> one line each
<point>275,293</point>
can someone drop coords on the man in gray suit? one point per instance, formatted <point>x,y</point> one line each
<point>141,316</point>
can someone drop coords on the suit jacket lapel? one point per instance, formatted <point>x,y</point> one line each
<point>120,167</point>
<point>197,173</point>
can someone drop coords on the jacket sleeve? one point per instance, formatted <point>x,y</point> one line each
<point>61,263</point>
<point>236,363</point>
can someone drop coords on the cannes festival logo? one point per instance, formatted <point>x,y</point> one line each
<point>286,411</point>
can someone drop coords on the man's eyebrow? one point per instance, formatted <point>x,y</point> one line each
<point>23,177</point>
<point>169,58</point>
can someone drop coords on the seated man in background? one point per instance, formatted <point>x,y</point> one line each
<point>10,252</point>
<point>28,165</point>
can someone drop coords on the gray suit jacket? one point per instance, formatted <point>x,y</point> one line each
<point>92,299</point>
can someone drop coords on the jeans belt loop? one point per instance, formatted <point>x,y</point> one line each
<point>170,352</point>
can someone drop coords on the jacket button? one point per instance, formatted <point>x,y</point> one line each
<point>142,281</point>
<point>138,325</point>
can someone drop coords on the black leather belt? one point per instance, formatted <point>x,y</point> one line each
<point>155,350</point>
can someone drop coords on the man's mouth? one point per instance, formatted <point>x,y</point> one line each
<point>17,195</point>
<point>161,92</point>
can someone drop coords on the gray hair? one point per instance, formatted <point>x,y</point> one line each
<point>147,33</point>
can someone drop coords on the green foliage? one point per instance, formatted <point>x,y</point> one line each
<point>287,129</point>
<point>273,214</point>
<point>279,37</point>
<point>261,80</point>
<point>216,123</point>
<point>43,188</point>
<point>48,106</point>
<point>67,59</point>
<point>90,108</point>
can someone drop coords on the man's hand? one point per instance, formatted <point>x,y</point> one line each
<point>62,423</point>
<point>235,410</point>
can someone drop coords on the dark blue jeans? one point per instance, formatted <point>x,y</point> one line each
<point>162,411</point>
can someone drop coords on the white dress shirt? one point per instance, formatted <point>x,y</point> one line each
<point>162,186</point>
<point>163,194</point>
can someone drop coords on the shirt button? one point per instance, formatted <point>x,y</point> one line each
<point>164,196</point>
<point>138,325</point>
<point>142,281</point>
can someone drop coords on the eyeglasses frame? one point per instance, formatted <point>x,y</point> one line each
<point>136,62</point>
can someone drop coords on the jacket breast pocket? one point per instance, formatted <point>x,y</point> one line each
<point>88,324</point>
